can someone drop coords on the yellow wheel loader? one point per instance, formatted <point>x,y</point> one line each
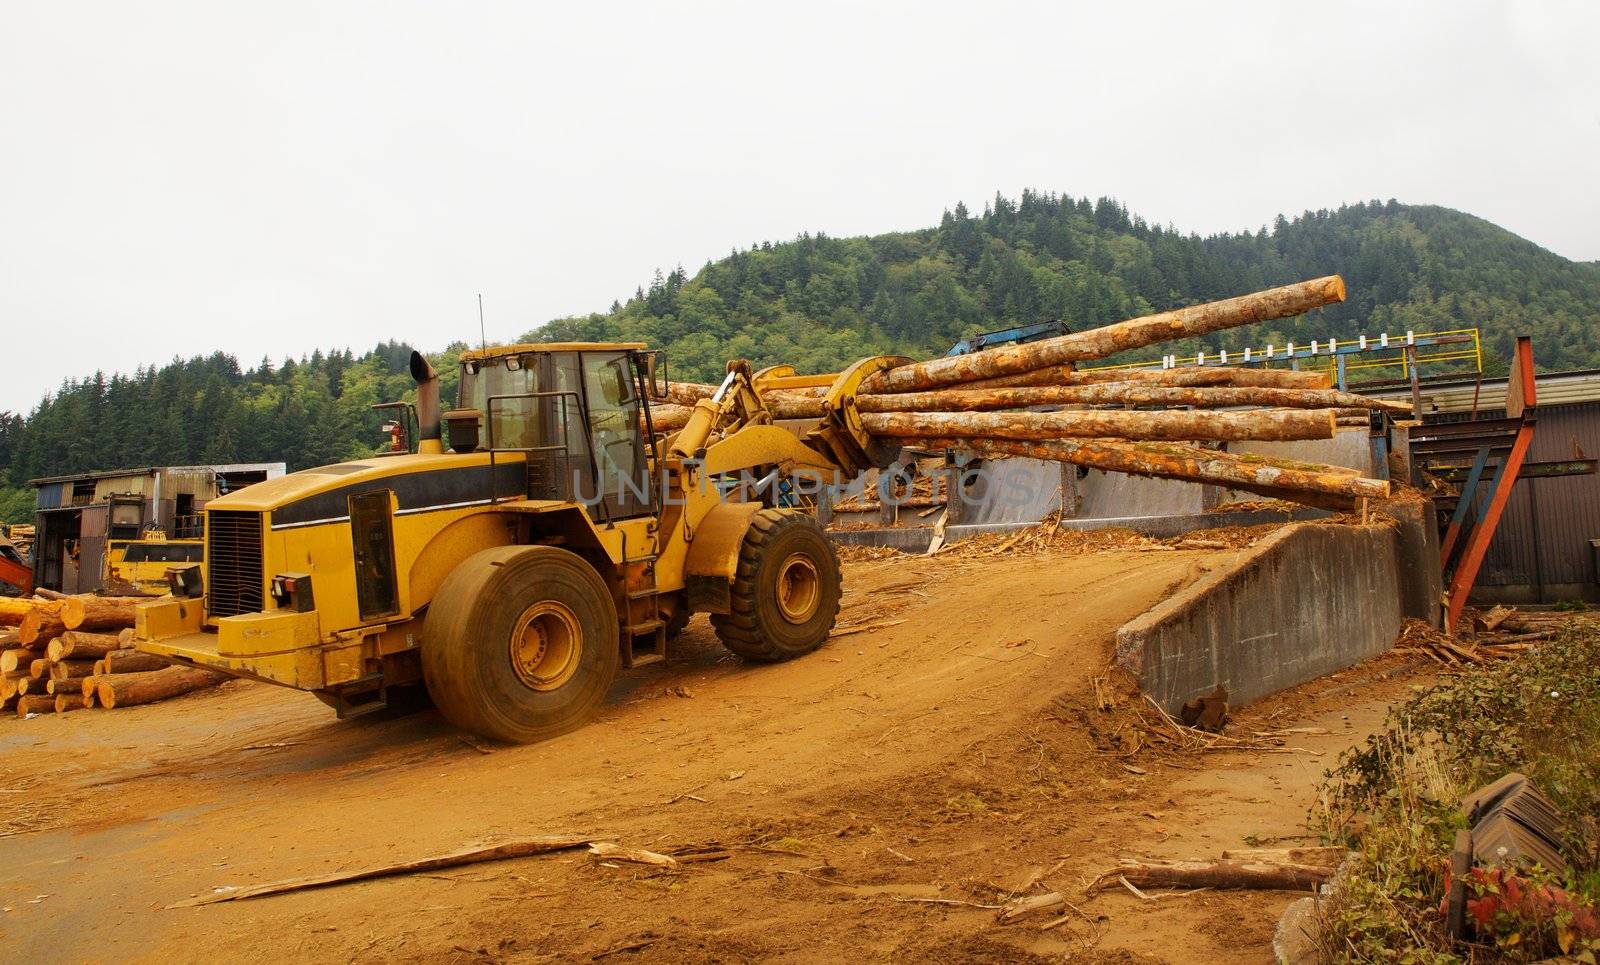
<point>514,566</point>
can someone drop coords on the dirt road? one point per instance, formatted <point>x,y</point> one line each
<point>946,757</point>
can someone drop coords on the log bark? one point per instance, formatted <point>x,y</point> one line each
<point>66,702</point>
<point>1222,873</point>
<point>1109,340</point>
<point>1322,857</point>
<point>65,685</point>
<point>132,661</point>
<point>107,612</point>
<point>1488,621</point>
<point>16,659</point>
<point>1121,424</point>
<point>81,645</point>
<point>35,704</point>
<point>13,609</point>
<point>666,417</point>
<point>1115,393</point>
<point>1192,465</point>
<point>1191,375</point>
<point>127,690</point>
<point>69,669</point>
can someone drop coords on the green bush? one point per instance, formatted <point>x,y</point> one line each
<point>1396,799</point>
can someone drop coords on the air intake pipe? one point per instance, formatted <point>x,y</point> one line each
<point>427,405</point>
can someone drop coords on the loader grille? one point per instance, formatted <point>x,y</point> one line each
<point>234,577</point>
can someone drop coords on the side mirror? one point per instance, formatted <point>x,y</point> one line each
<point>655,373</point>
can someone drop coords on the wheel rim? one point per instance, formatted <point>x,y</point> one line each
<point>546,645</point>
<point>799,588</point>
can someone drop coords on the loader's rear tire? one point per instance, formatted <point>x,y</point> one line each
<point>786,592</point>
<point>520,643</point>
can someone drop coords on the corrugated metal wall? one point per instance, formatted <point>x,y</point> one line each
<point>1544,535</point>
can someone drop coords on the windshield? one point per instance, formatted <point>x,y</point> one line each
<point>578,412</point>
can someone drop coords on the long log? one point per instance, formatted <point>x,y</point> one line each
<point>681,396</point>
<point>1189,375</point>
<point>66,702</point>
<point>1215,874</point>
<point>81,645</point>
<point>455,859</point>
<point>1103,342</point>
<point>16,659</point>
<point>1218,468</point>
<point>1116,393</point>
<point>13,609</point>
<point>132,661</point>
<point>8,684</point>
<point>127,690</point>
<point>39,668</point>
<point>1105,423</point>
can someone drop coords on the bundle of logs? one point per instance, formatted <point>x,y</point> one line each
<point>66,653</point>
<point>1160,423</point>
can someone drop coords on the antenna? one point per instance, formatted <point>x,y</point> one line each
<point>483,340</point>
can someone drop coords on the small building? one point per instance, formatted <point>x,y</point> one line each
<point>78,518</point>
<point>1547,547</point>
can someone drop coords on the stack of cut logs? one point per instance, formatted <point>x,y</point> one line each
<point>66,653</point>
<point>1146,422</point>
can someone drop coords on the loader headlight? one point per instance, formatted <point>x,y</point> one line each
<point>292,591</point>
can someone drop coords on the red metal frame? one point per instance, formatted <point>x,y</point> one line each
<point>17,575</point>
<point>1521,400</point>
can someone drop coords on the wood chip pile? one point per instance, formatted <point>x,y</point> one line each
<point>73,652</point>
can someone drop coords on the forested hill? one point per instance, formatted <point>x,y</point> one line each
<point>818,302</point>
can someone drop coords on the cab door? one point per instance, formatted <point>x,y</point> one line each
<point>372,534</point>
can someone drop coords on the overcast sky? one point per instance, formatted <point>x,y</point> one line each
<point>271,178</point>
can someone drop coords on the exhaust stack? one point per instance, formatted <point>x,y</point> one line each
<point>427,405</point>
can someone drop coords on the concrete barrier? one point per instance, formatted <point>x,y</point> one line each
<point>1304,602</point>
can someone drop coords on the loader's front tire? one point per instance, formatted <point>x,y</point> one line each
<point>785,595</point>
<point>520,643</point>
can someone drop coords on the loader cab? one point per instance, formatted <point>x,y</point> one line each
<point>575,411</point>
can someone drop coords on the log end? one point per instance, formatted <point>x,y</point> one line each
<point>1333,288</point>
<point>28,629</point>
<point>72,612</point>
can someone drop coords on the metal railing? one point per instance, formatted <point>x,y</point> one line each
<point>1341,357</point>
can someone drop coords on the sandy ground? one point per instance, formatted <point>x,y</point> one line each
<point>953,756</point>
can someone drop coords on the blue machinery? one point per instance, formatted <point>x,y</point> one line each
<point>1009,336</point>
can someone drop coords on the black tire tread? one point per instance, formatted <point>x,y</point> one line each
<point>451,664</point>
<point>741,630</point>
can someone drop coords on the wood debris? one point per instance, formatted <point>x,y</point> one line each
<point>455,859</point>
